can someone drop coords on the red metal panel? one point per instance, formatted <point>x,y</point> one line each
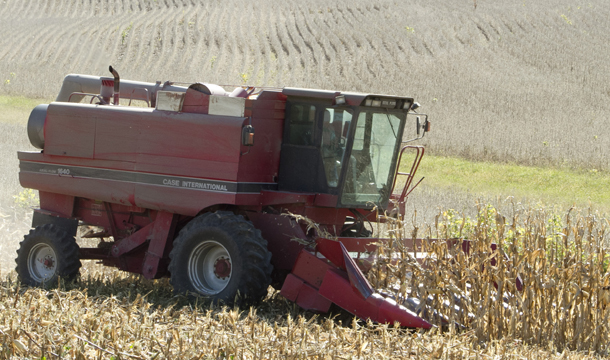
<point>306,296</point>
<point>192,136</point>
<point>291,287</point>
<point>60,204</point>
<point>248,199</point>
<point>260,163</point>
<point>270,109</point>
<point>326,200</point>
<point>44,158</point>
<point>163,229</point>
<point>67,133</point>
<point>179,200</point>
<point>338,289</point>
<point>280,197</point>
<point>130,263</point>
<point>279,231</point>
<point>116,138</point>
<point>330,216</point>
<point>92,212</point>
<point>131,242</point>
<point>171,165</point>
<point>161,138</point>
<point>110,191</point>
<point>126,218</point>
<point>332,251</point>
<point>261,103</point>
<point>269,113</point>
<point>311,268</point>
<point>186,201</point>
<point>309,299</point>
<point>338,255</point>
<point>271,95</point>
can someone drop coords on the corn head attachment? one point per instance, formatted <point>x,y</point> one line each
<point>330,274</point>
<point>317,281</point>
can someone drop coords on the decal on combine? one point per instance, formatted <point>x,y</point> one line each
<point>145,178</point>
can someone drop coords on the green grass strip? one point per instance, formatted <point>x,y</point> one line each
<point>20,102</point>
<point>559,186</point>
<point>16,109</point>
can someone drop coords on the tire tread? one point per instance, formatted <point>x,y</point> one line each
<point>256,258</point>
<point>65,246</point>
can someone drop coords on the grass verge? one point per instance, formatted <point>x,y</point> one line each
<point>16,109</point>
<point>550,185</point>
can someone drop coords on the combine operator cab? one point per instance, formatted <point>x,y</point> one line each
<point>211,188</point>
<point>344,144</point>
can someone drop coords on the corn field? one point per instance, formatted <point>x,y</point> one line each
<point>562,311</point>
<point>533,276</point>
<point>524,82</point>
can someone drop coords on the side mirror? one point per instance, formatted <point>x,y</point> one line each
<point>425,126</point>
<point>247,135</point>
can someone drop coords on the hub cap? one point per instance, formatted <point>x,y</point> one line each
<point>209,268</point>
<point>42,262</point>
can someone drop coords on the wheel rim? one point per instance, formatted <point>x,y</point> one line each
<point>42,262</point>
<point>209,268</point>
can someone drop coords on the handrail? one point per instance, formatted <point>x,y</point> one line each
<point>93,96</point>
<point>411,174</point>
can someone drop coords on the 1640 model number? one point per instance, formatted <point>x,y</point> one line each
<point>62,171</point>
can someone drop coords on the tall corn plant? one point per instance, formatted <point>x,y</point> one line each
<point>559,262</point>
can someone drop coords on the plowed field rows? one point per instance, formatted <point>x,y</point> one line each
<point>521,81</point>
<point>518,81</point>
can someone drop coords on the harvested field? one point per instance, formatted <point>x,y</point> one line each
<point>524,82</point>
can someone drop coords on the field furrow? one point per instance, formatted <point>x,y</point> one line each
<point>280,55</point>
<point>515,60</point>
<point>131,33</point>
<point>523,83</point>
<point>225,52</point>
<point>191,40</point>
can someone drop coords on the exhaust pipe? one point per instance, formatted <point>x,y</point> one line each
<point>117,81</point>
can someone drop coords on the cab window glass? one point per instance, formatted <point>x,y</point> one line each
<point>369,169</point>
<point>301,120</point>
<point>335,129</point>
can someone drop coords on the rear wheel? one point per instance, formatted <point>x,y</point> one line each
<point>46,254</point>
<point>223,257</point>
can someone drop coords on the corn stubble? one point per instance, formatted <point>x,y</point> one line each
<point>74,325</point>
<point>562,313</point>
<point>561,262</point>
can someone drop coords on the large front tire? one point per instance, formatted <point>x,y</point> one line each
<point>223,257</point>
<point>46,254</point>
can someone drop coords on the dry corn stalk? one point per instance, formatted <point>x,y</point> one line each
<point>561,263</point>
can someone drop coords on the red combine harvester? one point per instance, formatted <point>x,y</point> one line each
<point>183,188</point>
